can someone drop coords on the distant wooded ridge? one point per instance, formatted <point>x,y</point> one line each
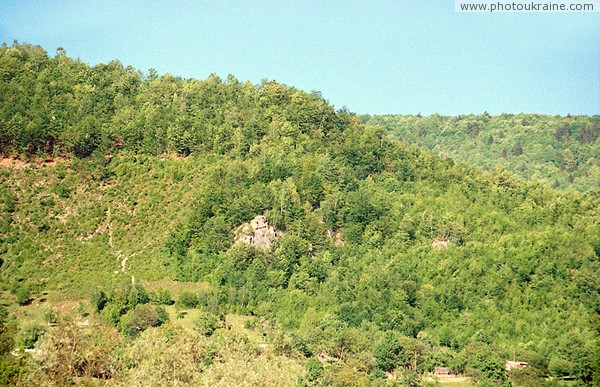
<point>563,151</point>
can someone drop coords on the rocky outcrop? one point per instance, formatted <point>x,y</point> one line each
<point>336,236</point>
<point>257,233</point>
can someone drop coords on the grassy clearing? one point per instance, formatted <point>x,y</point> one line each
<point>174,287</point>
<point>449,381</point>
<point>34,312</point>
<point>237,323</point>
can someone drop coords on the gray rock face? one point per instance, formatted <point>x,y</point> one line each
<point>257,233</point>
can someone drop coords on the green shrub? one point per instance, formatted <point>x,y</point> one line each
<point>141,318</point>
<point>64,192</point>
<point>162,314</point>
<point>137,296</point>
<point>23,296</point>
<point>314,369</point>
<point>250,323</point>
<point>7,341</point>
<point>12,370</point>
<point>163,297</point>
<point>111,314</point>
<point>98,300</point>
<point>206,323</point>
<point>29,335</point>
<point>51,315</point>
<point>528,376</point>
<point>187,300</point>
<point>3,314</point>
<point>377,374</point>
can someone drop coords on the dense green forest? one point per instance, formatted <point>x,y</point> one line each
<point>126,192</point>
<point>564,152</point>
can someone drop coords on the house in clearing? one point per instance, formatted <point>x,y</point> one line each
<point>514,365</point>
<point>441,371</point>
<point>444,371</point>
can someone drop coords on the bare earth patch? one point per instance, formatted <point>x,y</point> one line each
<point>13,163</point>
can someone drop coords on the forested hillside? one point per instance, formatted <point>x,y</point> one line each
<point>564,152</point>
<point>387,260</point>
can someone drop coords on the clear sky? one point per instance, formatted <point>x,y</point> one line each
<point>372,56</point>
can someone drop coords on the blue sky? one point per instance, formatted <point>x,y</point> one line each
<point>375,57</point>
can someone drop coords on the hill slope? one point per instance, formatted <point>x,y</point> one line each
<point>389,257</point>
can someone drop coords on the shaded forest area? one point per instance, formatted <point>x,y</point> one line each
<point>390,259</point>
